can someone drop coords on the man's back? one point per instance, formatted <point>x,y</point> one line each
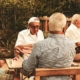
<point>56,51</point>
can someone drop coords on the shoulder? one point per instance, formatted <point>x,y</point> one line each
<point>71,27</point>
<point>24,31</point>
<point>70,41</point>
<point>41,43</point>
<point>71,30</point>
<point>40,31</point>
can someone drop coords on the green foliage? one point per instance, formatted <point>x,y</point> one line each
<point>14,15</point>
<point>47,7</point>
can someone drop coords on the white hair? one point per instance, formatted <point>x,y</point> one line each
<point>75,17</point>
<point>57,22</point>
<point>33,19</point>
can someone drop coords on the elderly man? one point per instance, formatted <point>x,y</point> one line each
<point>73,32</point>
<point>27,38</point>
<point>56,51</point>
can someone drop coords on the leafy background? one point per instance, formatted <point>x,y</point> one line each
<point>14,15</point>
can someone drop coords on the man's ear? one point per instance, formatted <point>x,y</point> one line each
<point>28,26</point>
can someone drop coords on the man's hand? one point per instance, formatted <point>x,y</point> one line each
<point>22,49</point>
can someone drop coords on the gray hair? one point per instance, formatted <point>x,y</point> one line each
<point>57,22</point>
<point>33,19</point>
<point>75,17</point>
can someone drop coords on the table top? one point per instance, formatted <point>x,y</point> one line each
<point>14,64</point>
<point>75,64</point>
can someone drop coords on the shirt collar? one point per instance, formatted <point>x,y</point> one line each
<point>73,26</point>
<point>30,33</point>
<point>56,35</point>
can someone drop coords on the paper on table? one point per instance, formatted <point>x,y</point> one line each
<point>17,62</point>
<point>74,64</point>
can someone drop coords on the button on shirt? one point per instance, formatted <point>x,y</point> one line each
<point>25,37</point>
<point>56,51</point>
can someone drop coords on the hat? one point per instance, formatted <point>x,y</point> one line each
<point>33,19</point>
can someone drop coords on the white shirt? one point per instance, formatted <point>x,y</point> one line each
<point>73,33</point>
<point>25,37</point>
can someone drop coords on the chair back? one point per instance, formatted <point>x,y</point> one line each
<point>57,72</point>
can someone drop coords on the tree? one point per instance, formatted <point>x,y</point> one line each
<point>47,7</point>
<point>14,15</point>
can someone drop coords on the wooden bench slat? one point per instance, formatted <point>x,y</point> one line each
<point>56,72</point>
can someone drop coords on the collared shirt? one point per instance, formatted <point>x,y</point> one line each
<point>73,33</point>
<point>25,37</point>
<point>56,51</point>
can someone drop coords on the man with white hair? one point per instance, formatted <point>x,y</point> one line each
<point>55,51</point>
<point>27,38</point>
<point>73,32</point>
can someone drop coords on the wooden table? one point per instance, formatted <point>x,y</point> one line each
<point>16,65</point>
<point>13,64</point>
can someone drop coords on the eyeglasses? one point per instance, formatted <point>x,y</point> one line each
<point>33,27</point>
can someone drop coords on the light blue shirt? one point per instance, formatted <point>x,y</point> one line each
<point>56,51</point>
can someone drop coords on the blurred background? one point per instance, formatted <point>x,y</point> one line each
<point>14,15</point>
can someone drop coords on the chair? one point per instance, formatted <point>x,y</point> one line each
<point>57,71</point>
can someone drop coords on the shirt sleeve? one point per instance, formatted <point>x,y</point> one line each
<point>30,64</point>
<point>19,40</point>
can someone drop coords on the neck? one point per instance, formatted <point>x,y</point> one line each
<point>33,33</point>
<point>56,32</point>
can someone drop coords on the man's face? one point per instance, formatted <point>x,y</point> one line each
<point>78,23</point>
<point>34,27</point>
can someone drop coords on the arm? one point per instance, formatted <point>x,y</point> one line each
<point>22,49</point>
<point>77,43</point>
<point>30,64</point>
<point>77,56</point>
<point>72,34</point>
<point>24,46</point>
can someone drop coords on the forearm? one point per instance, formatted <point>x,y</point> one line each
<point>77,44</point>
<point>77,57</point>
<point>22,46</point>
<point>26,70</point>
<point>22,49</point>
